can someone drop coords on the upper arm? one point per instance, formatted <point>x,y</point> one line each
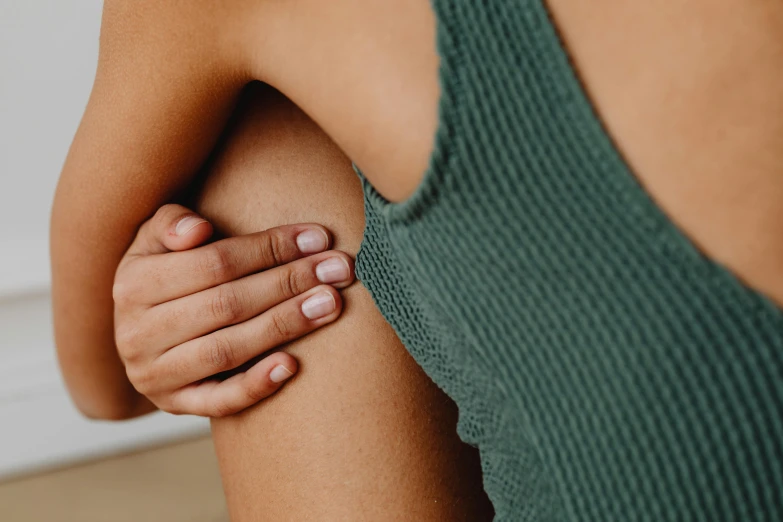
<point>166,81</point>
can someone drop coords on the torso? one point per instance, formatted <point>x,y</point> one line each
<point>601,364</point>
<point>606,369</point>
<point>691,95</point>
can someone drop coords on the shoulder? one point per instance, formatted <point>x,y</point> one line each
<point>212,35</point>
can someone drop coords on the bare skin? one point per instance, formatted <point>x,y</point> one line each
<point>187,318</point>
<point>358,407</point>
<point>361,433</point>
<point>664,95</point>
<point>695,119</point>
<point>692,93</point>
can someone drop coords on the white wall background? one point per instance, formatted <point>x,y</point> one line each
<point>48,52</point>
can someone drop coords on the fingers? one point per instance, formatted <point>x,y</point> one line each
<point>183,273</point>
<point>217,399</point>
<point>172,228</point>
<point>226,303</point>
<point>230,347</point>
<point>198,314</point>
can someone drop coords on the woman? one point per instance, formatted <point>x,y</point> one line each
<point>361,432</point>
<point>605,368</point>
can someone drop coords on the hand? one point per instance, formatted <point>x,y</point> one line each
<point>183,315</point>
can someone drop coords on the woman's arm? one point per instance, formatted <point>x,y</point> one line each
<point>166,82</point>
<point>191,322</point>
<point>168,75</point>
<point>361,433</point>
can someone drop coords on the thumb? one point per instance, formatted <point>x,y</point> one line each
<point>172,228</point>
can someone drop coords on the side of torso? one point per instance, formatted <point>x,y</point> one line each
<point>692,96</point>
<point>540,274</point>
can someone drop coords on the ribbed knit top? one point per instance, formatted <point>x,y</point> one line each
<point>606,370</point>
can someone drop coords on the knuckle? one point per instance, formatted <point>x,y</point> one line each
<point>217,262</point>
<point>170,404</point>
<point>171,369</point>
<point>220,409</point>
<point>174,318</point>
<point>226,305</point>
<point>141,379</point>
<point>256,391</point>
<point>125,292</point>
<point>128,339</point>
<point>122,267</point>
<point>133,282</point>
<point>167,214</point>
<point>291,283</point>
<point>281,325</point>
<point>171,409</point>
<point>217,354</point>
<point>272,247</point>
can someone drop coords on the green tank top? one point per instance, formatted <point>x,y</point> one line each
<point>606,369</point>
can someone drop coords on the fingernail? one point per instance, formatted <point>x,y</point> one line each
<point>280,373</point>
<point>333,270</point>
<point>312,241</point>
<point>319,305</point>
<point>187,224</point>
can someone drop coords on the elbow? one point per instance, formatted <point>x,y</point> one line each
<point>107,412</point>
<point>114,409</point>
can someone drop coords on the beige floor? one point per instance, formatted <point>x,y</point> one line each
<point>177,483</point>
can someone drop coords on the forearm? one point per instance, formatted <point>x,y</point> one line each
<point>83,308</point>
<point>149,125</point>
<point>98,206</point>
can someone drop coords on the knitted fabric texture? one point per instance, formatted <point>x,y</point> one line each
<point>606,370</point>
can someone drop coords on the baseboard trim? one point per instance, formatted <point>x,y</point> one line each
<point>45,431</point>
<point>41,429</point>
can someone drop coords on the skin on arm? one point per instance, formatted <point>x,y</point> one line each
<point>163,90</point>
<point>365,431</point>
<point>178,79</point>
<point>361,433</point>
<point>187,319</point>
<point>666,143</point>
<point>696,119</point>
<point>168,76</point>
